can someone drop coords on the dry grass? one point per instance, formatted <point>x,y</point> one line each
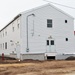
<point>38,68</point>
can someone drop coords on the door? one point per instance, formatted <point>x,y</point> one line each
<point>50,45</point>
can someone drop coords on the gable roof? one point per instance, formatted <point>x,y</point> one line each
<point>11,22</point>
<point>46,6</point>
<point>36,9</point>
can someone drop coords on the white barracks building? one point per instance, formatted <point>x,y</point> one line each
<point>40,34</point>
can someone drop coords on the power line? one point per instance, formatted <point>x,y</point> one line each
<point>59,4</point>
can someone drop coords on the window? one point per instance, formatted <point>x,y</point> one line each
<point>13,26</point>
<point>47,42</point>
<point>66,39</point>
<point>52,42</point>
<point>65,21</point>
<point>0,46</point>
<point>5,45</point>
<point>0,35</point>
<point>18,26</point>
<point>6,33</point>
<point>13,29</point>
<point>49,23</point>
<point>3,34</point>
<point>18,23</point>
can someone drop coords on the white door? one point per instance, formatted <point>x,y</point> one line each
<point>50,45</point>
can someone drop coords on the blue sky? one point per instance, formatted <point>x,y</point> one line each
<point>10,8</point>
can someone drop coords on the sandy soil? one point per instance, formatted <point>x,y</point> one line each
<point>37,67</point>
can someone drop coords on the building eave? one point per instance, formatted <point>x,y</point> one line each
<point>11,21</point>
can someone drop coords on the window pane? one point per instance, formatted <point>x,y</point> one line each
<point>65,21</point>
<point>66,39</point>
<point>18,25</point>
<point>49,25</point>
<point>52,42</point>
<point>5,45</point>
<point>49,21</point>
<point>6,33</point>
<point>47,42</point>
<point>3,34</point>
<point>13,29</point>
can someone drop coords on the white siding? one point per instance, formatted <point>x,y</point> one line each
<point>59,32</point>
<point>38,27</point>
<point>10,35</point>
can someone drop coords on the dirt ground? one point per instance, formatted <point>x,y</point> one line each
<point>30,67</point>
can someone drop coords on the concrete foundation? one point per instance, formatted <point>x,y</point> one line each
<point>63,56</point>
<point>39,56</point>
